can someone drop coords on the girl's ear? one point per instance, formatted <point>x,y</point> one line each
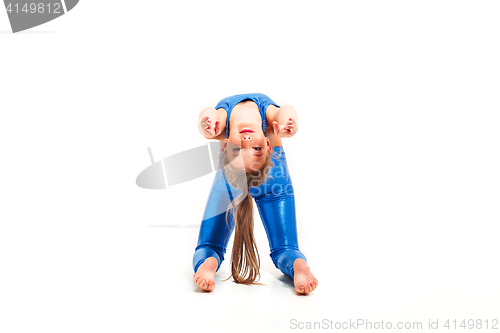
<point>225,145</point>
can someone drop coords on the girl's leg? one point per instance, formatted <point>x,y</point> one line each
<point>214,235</point>
<point>277,212</point>
<point>215,231</point>
<point>276,203</point>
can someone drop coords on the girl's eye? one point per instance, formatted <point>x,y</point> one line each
<point>257,148</point>
<point>236,149</point>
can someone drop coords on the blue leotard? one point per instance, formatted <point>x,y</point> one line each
<point>274,199</point>
<point>261,100</point>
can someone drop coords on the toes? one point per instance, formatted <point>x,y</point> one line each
<point>300,288</point>
<point>211,285</point>
<point>200,281</point>
<point>306,287</point>
<point>203,283</point>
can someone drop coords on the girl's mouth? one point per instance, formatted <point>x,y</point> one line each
<point>246,130</point>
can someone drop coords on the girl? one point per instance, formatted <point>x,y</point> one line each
<point>253,165</point>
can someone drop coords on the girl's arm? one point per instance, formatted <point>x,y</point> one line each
<point>211,123</point>
<point>285,122</point>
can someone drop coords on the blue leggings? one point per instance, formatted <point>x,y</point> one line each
<point>276,204</point>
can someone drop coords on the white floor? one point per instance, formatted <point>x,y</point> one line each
<point>126,276</point>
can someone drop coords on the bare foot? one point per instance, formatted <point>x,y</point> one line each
<point>204,276</point>
<point>303,279</point>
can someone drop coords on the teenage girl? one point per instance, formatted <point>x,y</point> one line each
<point>253,165</point>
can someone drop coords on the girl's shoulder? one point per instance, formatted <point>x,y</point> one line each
<point>222,113</point>
<point>271,114</point>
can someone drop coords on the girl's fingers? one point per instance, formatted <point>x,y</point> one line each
<point>283,130</point>
<point>208,128</point>
<point>206,123</point>
<point>276,127</point>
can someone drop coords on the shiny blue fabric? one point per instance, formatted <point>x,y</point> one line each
<point>261,100</point>
<point>276,204</point>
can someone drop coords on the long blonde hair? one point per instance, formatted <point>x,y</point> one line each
<point>245,260</point>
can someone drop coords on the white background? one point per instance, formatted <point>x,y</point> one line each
<point>395,166</point>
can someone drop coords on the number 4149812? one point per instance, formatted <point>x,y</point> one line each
<point>33,8</point>
<point>472,324</point>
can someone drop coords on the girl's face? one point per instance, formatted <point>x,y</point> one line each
<point>247,149</point>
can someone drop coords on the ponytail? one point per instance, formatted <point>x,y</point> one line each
<point>245,260</point>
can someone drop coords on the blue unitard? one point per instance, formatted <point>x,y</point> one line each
<point>274,199</point>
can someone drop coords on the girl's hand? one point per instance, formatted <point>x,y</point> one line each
<point>285,131</point>
<point>210,130</point>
